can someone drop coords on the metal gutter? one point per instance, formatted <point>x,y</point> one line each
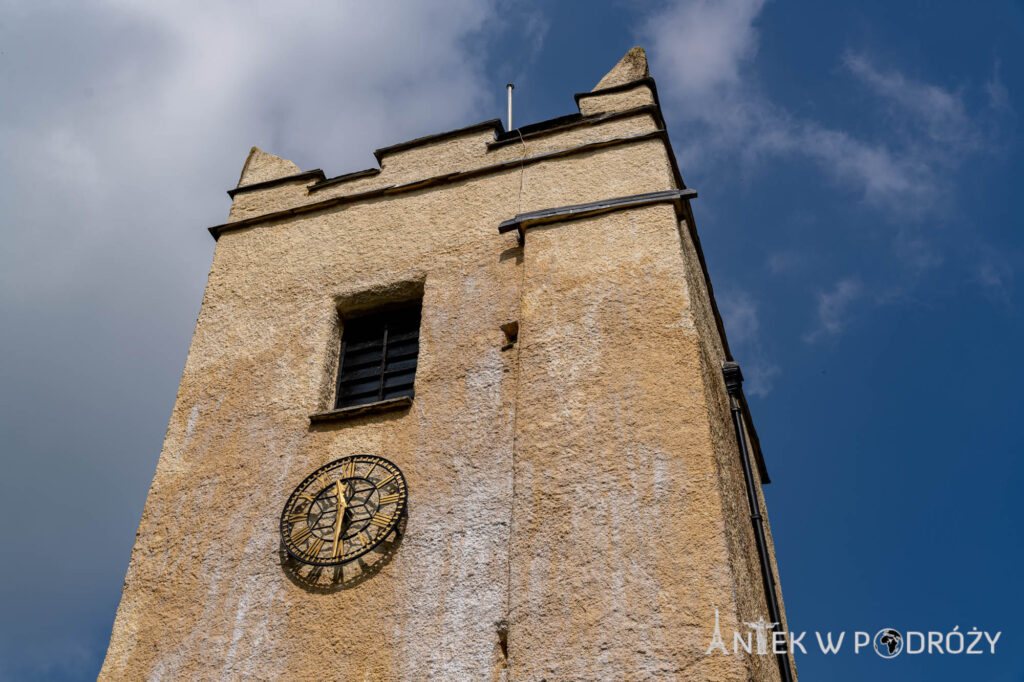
<point>734,385</point>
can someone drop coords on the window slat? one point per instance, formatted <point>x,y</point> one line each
<point>360,359</point>
<point>404,349</point>
<point>399,335</point>
<point>355,346</point>
<point>403,379</point>
<point>395,366</point>
<point>349,375</point>
<point>360,387</point>
<point>398,392</point>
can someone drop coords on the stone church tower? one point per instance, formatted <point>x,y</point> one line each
<point>516,332</point>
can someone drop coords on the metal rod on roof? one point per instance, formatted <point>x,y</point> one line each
<point>509,87</point>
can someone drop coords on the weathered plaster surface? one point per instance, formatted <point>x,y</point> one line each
<point>619,551</point>
<point>579,492</point>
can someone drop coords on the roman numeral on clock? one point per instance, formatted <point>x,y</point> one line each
<point>380,521</point>
<point>300,537</point>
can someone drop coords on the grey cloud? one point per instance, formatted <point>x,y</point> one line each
<point>122,125</point>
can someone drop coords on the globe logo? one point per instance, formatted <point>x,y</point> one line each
<point>888,643</point>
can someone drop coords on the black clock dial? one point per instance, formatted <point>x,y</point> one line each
<point>343,510</point>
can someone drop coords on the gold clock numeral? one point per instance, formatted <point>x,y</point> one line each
<point>384,481</point>
<point>325,480</point>
<point>338,546</point>
<point>300,537</point>
<point>363,539</point>
<point>295,517</point>
<point>388,499</point>
<point>372,467</point>
<point>380,521</point>
<point>315,547</point>
<point>348,470</point>
<point>306,496</point>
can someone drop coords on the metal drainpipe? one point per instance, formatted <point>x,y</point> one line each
<point>733,384</point>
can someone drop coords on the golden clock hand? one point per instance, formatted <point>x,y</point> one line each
<point>340,514</point>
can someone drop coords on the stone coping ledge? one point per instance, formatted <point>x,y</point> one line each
<point>563,124</point>
<point>343,413</point>
<point>622,87</point>
<point>493,124</point>
<point>550,215</point>
<point>315,174</point>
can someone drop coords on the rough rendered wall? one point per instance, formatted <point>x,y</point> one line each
<point>619,552</point>
<point>577,491</point>
<point>743,557</point>
<point>205,573</point>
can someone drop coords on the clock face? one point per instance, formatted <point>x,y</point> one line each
<point>343,510</point>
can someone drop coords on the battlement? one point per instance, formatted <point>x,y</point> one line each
<point>622,110</point>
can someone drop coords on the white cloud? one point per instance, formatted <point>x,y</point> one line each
<point>783,261</point>
<point>994,272</point>
<point>902,158</point>
<point>916,252</point>
<point>760,378</point>
<point>739,315</point>
<point>833,308</point>
<point>704,43</point>
<point>703,55</point>
<point>742,325</point>
<point>998,95</point>
<point>940,112</point>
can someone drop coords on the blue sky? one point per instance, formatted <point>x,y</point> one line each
<point>858,164</point>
